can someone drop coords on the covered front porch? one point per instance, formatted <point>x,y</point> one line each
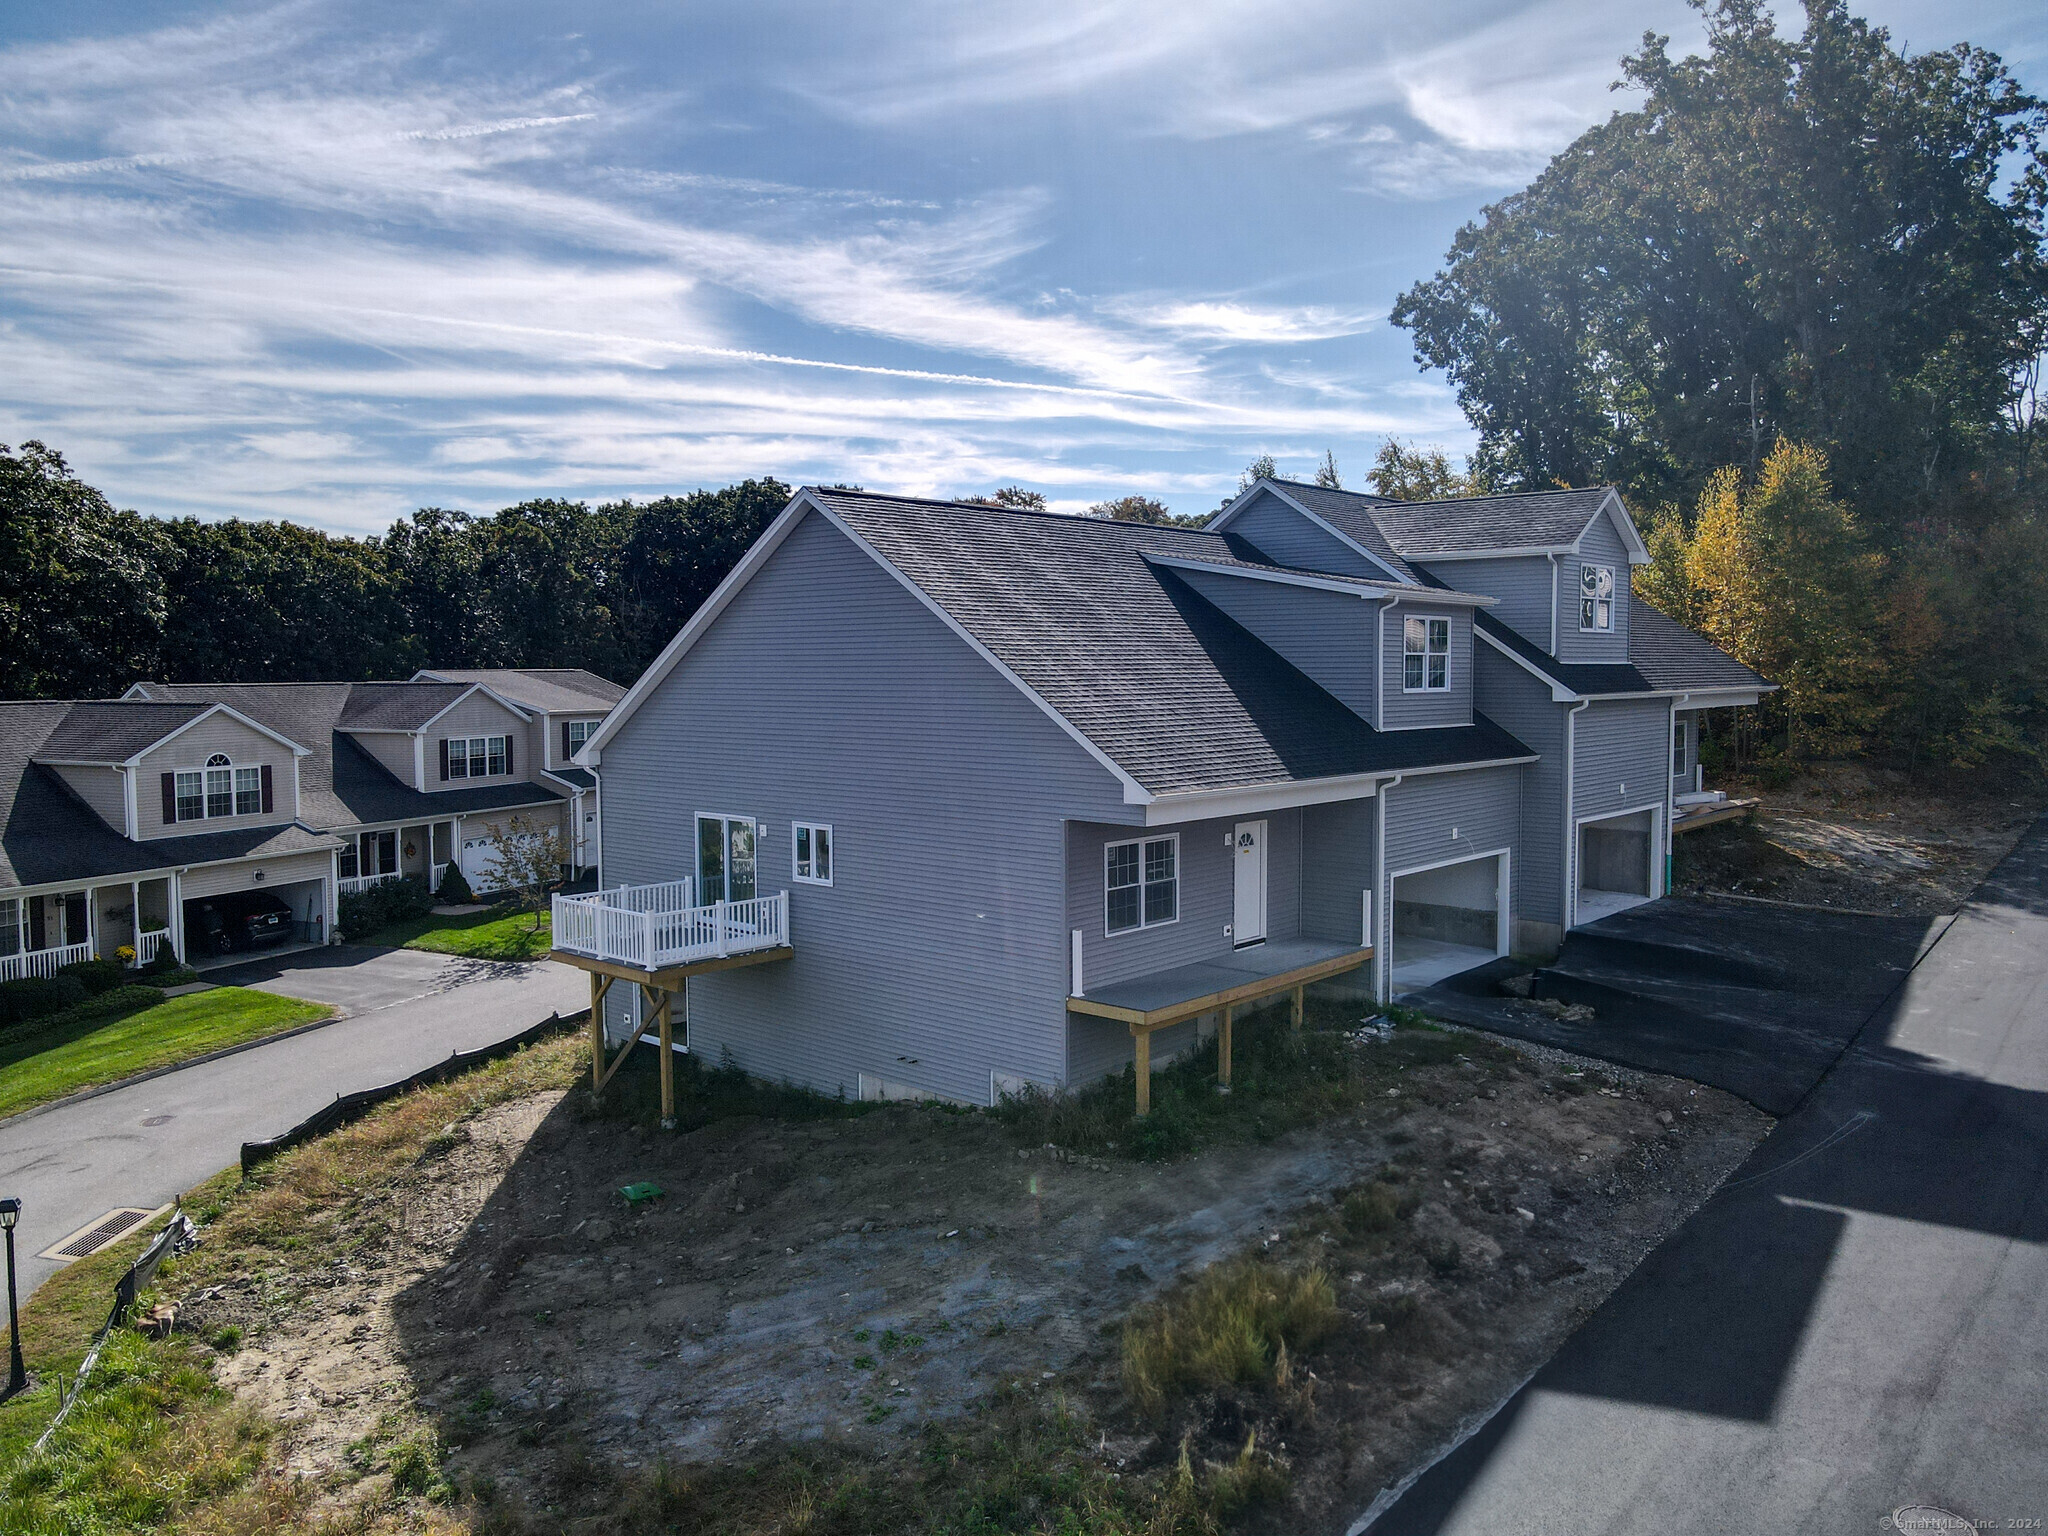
<point>420,850</point>
<point>44,931</point>
<point>1219,985</point>
<point>655,938</point>
<point>1693,803</point>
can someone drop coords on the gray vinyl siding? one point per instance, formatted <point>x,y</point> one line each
<point>1336,869</point>
<point>1600,545</point>
<point>1522,706</point>
<point>101,788</point>
<point>480,715</point>
<point>1413,711</point>
<point>394,750</point>
<point>1483,806</point>
<point>1520,582</point>
<point>242,746</point>
<point>1285,537</point>
<point>1327,635</point>
<point>1621,760</point>
<point>825,692</point>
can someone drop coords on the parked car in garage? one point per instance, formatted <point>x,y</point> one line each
<point>239,920</point>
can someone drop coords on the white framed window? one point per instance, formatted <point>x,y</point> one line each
<point>220,787</point>
<point>1426,655</point>
<point>1141,884</point>
<point>1596,597</point>
<point>581,731</point>
<point>248,791</point>
<point>345,865</point>
<point>726,850</point>
<point>191,797</point>
<point>475,757</point>
<point>10,925</point>
<point>1681,759</point>
<point>810,852</point>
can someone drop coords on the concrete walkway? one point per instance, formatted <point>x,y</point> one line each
<point>1857,1324</point>
<point>145,1144</point>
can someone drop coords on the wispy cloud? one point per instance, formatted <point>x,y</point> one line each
<point>1228,320</point>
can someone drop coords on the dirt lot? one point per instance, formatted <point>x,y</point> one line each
<point>845,1281</point>
<point>1850,836</point>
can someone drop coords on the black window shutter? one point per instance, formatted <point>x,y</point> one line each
<point>508,766</point>
<point>444,759</point>
<point>269,799</point>
<point>565,741</point>
<point>170,798</point>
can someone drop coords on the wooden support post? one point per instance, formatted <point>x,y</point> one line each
<point>1223,1046</point>
<point>1299,1002</point>
<point>668,1065</point>
<point>1144,1041</point>
<point>597,989</point>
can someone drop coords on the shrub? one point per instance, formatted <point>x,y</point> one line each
<point>89,1010</point>
<point>166,960</point>
<point>455,887</point>
<point>97,975</point>
<point>34,997</point>
<point>364,913</point>
<point>1373,1208</point>
<point>1228,1327</point>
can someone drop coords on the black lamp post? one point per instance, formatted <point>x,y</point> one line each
<point>17,1373</point>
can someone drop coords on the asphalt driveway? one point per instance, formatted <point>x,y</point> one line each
<point>1855,1325</point>
<point>145,1144</point>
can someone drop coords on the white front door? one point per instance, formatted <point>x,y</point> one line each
<point>1248,920</point>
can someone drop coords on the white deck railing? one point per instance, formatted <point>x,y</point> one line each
<point>652,927</point>
<point>42,962</point>
<point>147,945</point>
<point>435,875</point>
<point>356,883</point>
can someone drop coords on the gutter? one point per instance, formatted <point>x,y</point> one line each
<point>1571,721</point>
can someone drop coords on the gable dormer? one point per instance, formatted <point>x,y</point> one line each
<point>154,769</point>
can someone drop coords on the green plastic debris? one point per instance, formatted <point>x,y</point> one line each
<point>637,1193</point>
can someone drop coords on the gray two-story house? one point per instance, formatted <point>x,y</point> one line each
<point>1005,798</point>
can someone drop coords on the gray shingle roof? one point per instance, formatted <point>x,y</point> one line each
<point>113,730</point>
<point>1351,514</point>
<point>1534,520</point>
<point>1227,562</point>
<point>557,690</point>
<point>1671,656</point>
<point>1580,677</point>
<point>1170,690</point>
<point>394,706</point>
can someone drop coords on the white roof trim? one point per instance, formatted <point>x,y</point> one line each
<point>1217,523</point>
<point>1134,792</point>
<point>591,753</point>
<point>1349,586</point>
<point>1617,513</point>
<point>483,688</point>
<point>1202,804</point>
<point>1722,698</point>
<point>1519,551</point>
<point>207,714</point>
<point>1559,693</point>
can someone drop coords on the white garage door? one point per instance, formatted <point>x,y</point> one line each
<point>480,864</point>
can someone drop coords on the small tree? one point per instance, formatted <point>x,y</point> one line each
<point>529,859</point>
<point>1326,472</point>
<point>1407,473</point>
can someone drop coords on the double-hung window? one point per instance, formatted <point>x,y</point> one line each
<point>580,731</point>
<point>220,787</point>
<point>1426,655</point>
<point>811,851</point>
<point>191,796</point>
<point>10,925</point>
<point>1141,883</point>
<point>476,757</point>
<point>248,791</point>
<point>1679,763</point>
<point>1596,597</point>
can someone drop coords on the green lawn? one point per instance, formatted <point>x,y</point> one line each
<point>47,1058</point>
<point>494,934</point>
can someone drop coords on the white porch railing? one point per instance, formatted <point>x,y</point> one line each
<point>355,883</point>
<point>652,927</point>
<point>147,945</point>
<point>42,962</point>
<point>436,873</point>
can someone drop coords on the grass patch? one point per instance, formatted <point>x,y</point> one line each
<point>705,1094</point>
<point>490,935</point>
<point>1281,1079</point>
<point>131,1030</point>
<point>1235,1325</point>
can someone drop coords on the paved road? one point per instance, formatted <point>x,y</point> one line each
<point>1856,1324</point>
<point>146,1144</point>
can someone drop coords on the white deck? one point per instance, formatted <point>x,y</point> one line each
<point>656,927</point>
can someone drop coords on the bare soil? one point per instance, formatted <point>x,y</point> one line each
<point>845,1281</point>
<point>1850,836</point>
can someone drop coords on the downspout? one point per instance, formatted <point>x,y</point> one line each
<point>1553,603</point>
<point>1671,797</point>
<point>1383,961</point>
<point>1379,681</point>
<point>1571,830</point>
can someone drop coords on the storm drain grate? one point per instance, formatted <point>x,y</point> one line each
<point>90,1240</point>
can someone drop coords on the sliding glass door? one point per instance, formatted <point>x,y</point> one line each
<point>725,858</point>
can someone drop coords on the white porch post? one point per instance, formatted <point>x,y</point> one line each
<point>176,895</point>
<point>135,918</point>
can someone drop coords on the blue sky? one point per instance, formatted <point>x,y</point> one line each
<point>332,262</point>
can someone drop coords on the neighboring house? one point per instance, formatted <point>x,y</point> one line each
<point>116,815</point>
<point>999,794</point>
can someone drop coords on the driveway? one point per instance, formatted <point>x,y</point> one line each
<point>1855,1325</point>
<point>145,1144</point>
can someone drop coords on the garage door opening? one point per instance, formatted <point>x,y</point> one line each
<point>254,921</point>
<point>1448,919</point>
<point>1617,864</point>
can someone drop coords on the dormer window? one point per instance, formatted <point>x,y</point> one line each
<point>1426,659</point>
<point>218,789</point>
<point>1596,597</point>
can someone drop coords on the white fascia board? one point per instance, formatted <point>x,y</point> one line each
<point>483,688</point>
<point>208,714</point>
<point>590,754</point>
<point>1515,552</point>
<point>1372,592</point>
<point>1134,792</point>
<point>1216,524</point>
<point>1559,694</point>
<point>1441,597</point>
<point>1720,698</point>
<point>1203,805</point>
